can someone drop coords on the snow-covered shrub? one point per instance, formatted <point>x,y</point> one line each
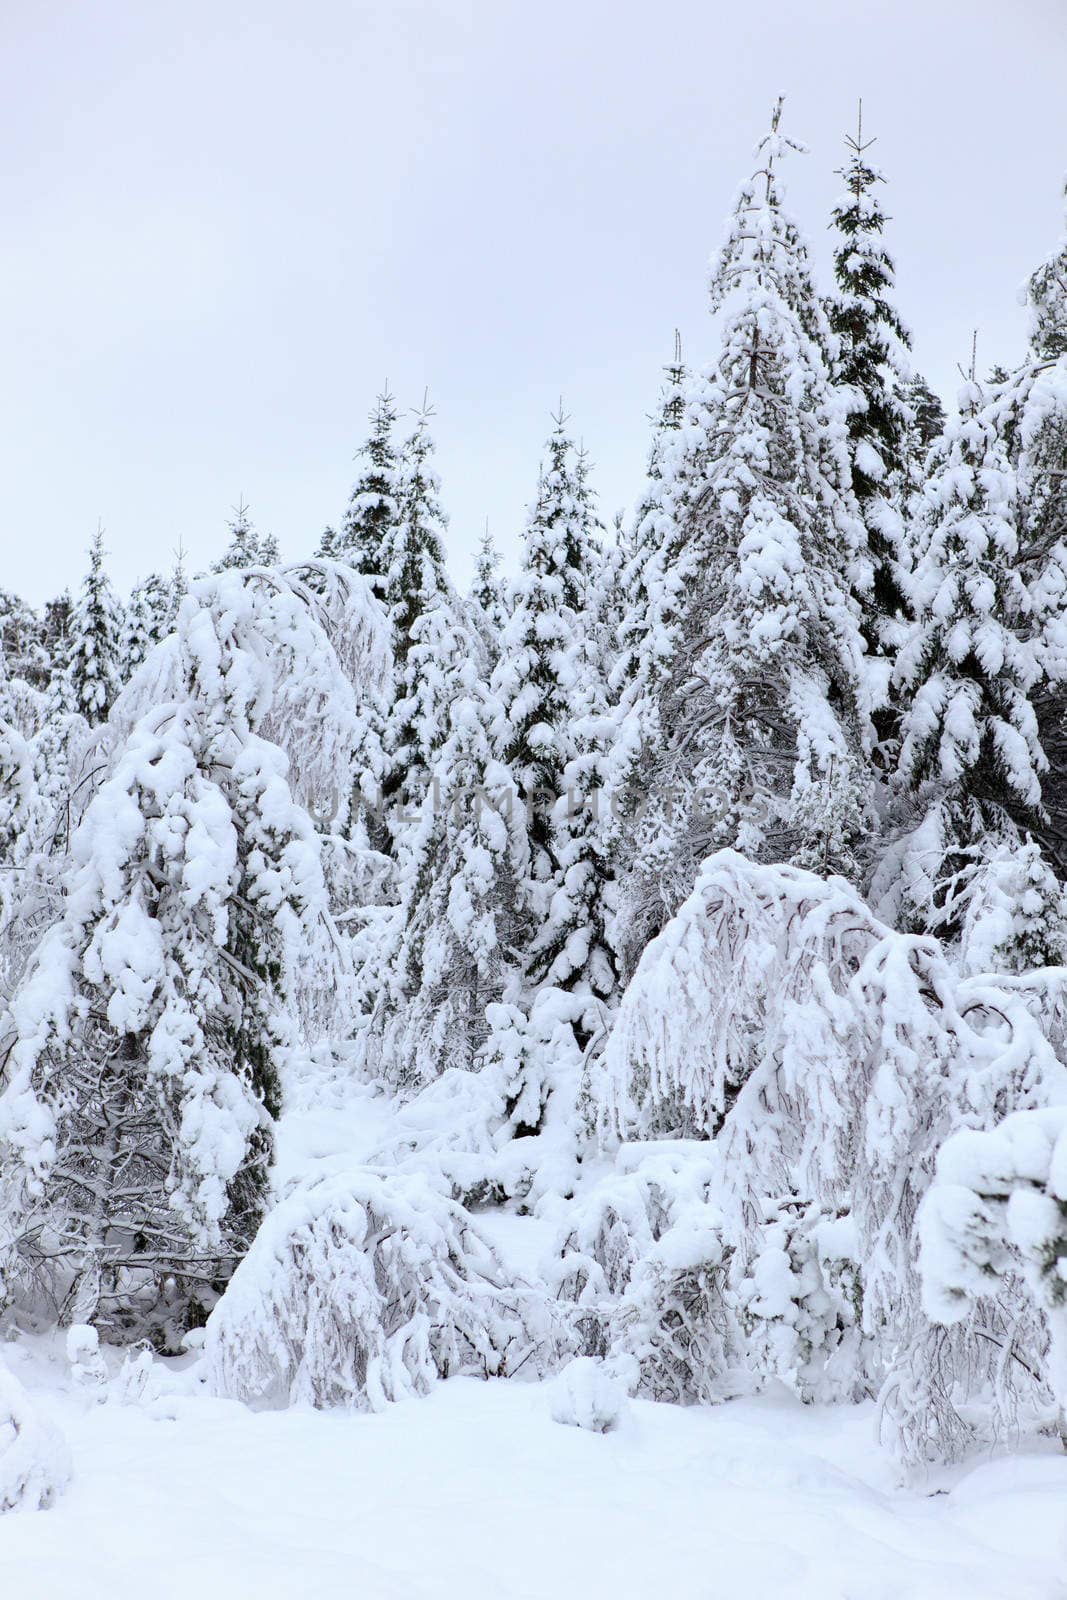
<point>533,1053</point>
<point>642,1264</point>
<point>677,1322</point>
<point>612,1226</point>
<point>87,1366</point>
<point>365,1288</point>
<point>783,1295</point>
<point>827,1056</point>
<point>34,1461</point>
<point>137,1382</point>
<point>451,1132</point>
<point>997,1214</point>
<point>750,971</point>
<point>799,1301</point>
<point>587,1394</point>
<point>1015,914</point>
<point>508,1130</point>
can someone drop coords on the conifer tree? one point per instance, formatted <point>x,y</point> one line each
<point>431,638</point>
<point>925,430</point>
<point>1031,410</point>
<point>871,361</point>
<point>535,678</point>
<point>653,528</point>
<point>970,750</point>
<point>650,605</point>
<point>370,518</point>
<point>486,599</point>
<point>55,627</point>
<point>613,602</point>
<point>22,644</point>
<point>461,926</point>
<point>150,615</point>
<point>761,695</point>
<point>1032,413</point>
<point>927,414</point>
<point>246,548</point>
<point>552,731</point>
<point>93,674</point>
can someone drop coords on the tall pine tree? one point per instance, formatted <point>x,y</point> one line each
<point>93,666</point>
<point>486,599</point>
<point>872,363</point>
<point>430,635</point>
<point>370,518</point>
<point>553,729</point>
<point>970,754</point>
<point>760,689</point>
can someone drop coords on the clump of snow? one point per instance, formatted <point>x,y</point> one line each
<point>87,1366</point>
<point>588,1395</point>
<point>34,1461</point>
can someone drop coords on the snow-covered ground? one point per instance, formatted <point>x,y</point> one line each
<point>475,1492</point>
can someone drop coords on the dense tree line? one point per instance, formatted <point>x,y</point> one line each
<point>726,848</point>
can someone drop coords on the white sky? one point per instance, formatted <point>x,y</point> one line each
<point>224,225</point>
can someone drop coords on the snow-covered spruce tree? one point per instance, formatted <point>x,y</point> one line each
<point>93,661</point>
<point>431,638</point>
<point>460,929</point>
<point>485,601</point>
<point>365,536</point>
<point>1031,406</point>
<point>55,625</point>
<point>23,650</point>
<point>649,605</point>
<point>601,598</point>
<point>924,430</point>
<point>246,548</point>
<point>365,540</point>
<point>872,362</point>
<point>27,859</point>
<point>761,698</point>
<point>970,756</point>
<point>653,530</point>
<point>144,1048</point>
<point>150,616</point>
<point>552,730</point>
<point>611,603</point>
<point>533,679</point>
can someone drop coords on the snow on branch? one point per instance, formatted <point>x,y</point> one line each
<point>997,1212</point>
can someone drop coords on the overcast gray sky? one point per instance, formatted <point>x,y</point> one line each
<point>224,225</point>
